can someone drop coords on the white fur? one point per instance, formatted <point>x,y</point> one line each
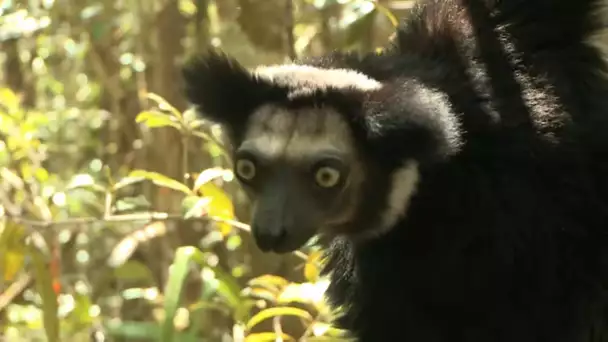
<point>599,39</point>
<point>304,79</point>
<point>280,133</point>
<point>404,182</point>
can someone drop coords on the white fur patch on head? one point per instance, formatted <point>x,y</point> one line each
<point>280,133</point>
<point>304,79</point>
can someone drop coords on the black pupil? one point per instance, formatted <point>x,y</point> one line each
<point>246,169</point>
<point>326,176</point>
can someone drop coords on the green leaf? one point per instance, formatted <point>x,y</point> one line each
<point>133,330</point>
<point>161,180</point>
<point>173,290</point>
<point>278,311</point>
<point>156,119</point>
<point>126,182</point>
<point>270,282</point>
<point>133,270</point>
<point>220,282</point>
<point>84,181</point>
<point>195,206</point>
<point>49,298</point>
<point>132,203</point>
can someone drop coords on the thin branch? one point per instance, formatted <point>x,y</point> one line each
<point>147,216</point>
<point>291,41</point>
<point>14,290</point>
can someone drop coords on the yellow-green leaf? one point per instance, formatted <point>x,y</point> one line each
<point>220,205</point>
<point>13,263</point>
<point>267,337</point>
<point>311,267</point>
<point>260,293</point>
<point>12,249</point>
<point>272,283</point>
<point>278,311</point>
<point>9,99</point>
<point>161,180</point>
<point>156,119</point>
<point>269,280</point>
<point>164,105</point>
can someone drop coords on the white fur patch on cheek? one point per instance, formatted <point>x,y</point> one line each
<point>404,182</point>
<point>599,39</point>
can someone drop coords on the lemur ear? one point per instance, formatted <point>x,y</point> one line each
<point>223,90</point>
<point>410,120</point>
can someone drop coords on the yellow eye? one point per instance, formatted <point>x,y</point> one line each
<point>245,169</point>
<point>327,177</point>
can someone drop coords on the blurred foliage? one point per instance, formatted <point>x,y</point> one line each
<point>119,216</point>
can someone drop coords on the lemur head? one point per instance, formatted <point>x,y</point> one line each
<point>321,150</point>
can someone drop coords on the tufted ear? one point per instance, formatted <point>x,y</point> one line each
<point>224,91</point>
<point>409,120</point>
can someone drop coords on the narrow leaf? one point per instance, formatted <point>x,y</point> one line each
<point>44,286</point>
<point>156,119</point>
<point>267,337</point>
<point>84,181</point>
<point>173,290</point>
<point>164,105</point>
<point>161,180</point>
<point>126,182</point>
<point>278,311</point>
<point>195,206</point>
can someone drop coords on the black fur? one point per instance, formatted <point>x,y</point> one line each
<point>506,237</point>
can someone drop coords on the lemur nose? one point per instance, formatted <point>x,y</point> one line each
<point>269,239</point>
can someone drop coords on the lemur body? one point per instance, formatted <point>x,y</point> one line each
<point>462,174</point>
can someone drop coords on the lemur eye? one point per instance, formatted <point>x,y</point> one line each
<point>327,177</point>
<point>245,169</point>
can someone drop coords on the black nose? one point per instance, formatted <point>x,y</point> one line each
<point>269,239</point>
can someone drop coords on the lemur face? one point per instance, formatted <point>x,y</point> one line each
<point>302,173</point>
